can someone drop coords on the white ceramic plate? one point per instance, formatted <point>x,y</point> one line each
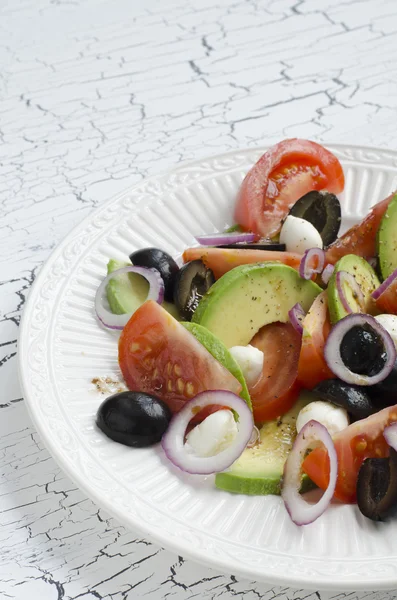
<point>62,348</point>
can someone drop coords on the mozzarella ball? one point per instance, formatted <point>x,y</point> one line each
<point>299,235</point>
<point>389,322</point>
<point>213,435</point>
<point>250,360</point>
<point>333,417</point>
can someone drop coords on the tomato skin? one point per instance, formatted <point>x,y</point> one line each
<point>387,302</point>
<point>362,439</point>
<point>222,260</point>
<point>281,176</point>
<point>361,238</point>
<point>157,355</point>
<point>277,389</point>
<point>312,367</point>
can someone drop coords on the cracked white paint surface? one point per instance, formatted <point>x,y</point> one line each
<point>94,96</point>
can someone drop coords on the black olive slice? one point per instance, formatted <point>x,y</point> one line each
<point>362,350</point>
<point>353,398</point>
<point>133,418</point>
<point>275,246</point>
<point>377,487</point>
<point>321,209</point>
<point>154,258</point>
<point>192,282</point>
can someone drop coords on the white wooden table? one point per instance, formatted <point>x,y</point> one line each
<point>95,95</point>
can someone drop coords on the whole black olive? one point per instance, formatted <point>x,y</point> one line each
<point>321,209</point>
<point>362,350</point>
<point>377,487</point>
<point>353,398</point>
<point>192,282</point>
<point>133,418</point>
<point>153,258</point>
<point>384,393</point>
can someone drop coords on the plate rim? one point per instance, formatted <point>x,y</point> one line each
<point>327,583</point>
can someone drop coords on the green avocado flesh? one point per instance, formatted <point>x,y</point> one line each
<point>221,354</point>
<point>233,229</point>
<point>259,470</point>
<point>387,240</point>
<point>251,296</point>
<point>127,292</point>
<point>365,277</point>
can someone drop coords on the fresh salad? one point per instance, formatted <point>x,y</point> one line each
<point>269,357</point>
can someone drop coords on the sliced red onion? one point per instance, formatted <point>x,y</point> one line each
<point>305,269</point>
<point>255,435</point>
<point>373,262</point>
<point>183,458</point>
<point>326,274</point>
<point>333,357</point>
<point>216,239</point>
<point>300,511</point>
<point>342,278</point>
<point>383,287</point>
<point>296,316</point>
<point>156,292</point>
<point>390,435</point>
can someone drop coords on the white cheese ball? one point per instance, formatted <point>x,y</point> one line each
<point>250,360</point>
<point>299,235</point>
<point>213,435</point>
<point>389,322</point>
<point>333,417</point>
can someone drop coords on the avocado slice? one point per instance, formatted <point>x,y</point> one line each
<point>221,354</point>
<point>251,296</point>
<point>365,277</point>
<point>387,240</point>
<point>233,229</point>
<point>259,470</point>
<point>127,292</point>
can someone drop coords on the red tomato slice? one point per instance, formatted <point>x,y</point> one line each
<point>222,260</point>
<point>361,440</point>
<point>157,355</point>
<point>361,238</point>
<point>276,390</point>
<point>387,302</point>
<point>281,176</point>
<point>312,367</point>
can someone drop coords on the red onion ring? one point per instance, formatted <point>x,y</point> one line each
<point>255,436</point>
<point>383,287</point>
<point>156,292</point>
<point>173,440</point>
<point>296,316</point>
<point>305,270</point>
<point>215,239</point>
<point>373,262</point>
<point>326,274</point>
<point>390,435</point>
<point>332,349</point>
<point>300,511</point>
<point>343,277</point>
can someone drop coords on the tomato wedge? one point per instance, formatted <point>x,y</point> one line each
<point>276,390</point>
<point>361,238</point>
<point>222,260</point>
<point>387,302</point>
<point>361,440</point>
<point>157,355</point>
<point>312,367</point>
<point>281,176</point>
